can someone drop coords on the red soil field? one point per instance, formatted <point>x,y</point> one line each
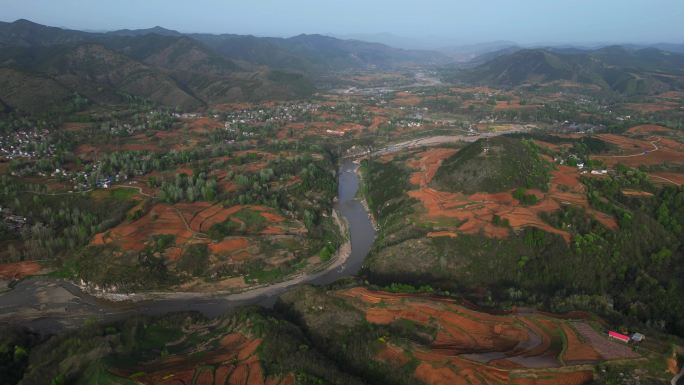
<point>437,234</point>
<point>570,378</point>
<point>672,95</point>
<point>627,144</point>
<point>85,150</point>
<point>577,350</point>
<point>136,147</point>
<point>377,110</point>
<point>667,177</point>
<point>228,245</point>
<point>254,167</point>
<point>202,221</point>
<point>406,99</point>
<point>672,365</point>
<point>161,219</point>
<point>473,90</point>
<point>392,355</point>
<point>19,270</point>
<point>513,105</point>
<point>652,151</point>
<point>636,193</point>
<point>377,121</point>
<point>204,124</point>
<point>318,127</point>
<point>184,221</point>
<point>474,214</point>
<point>427,164</point>
<point>651,107</point>
<point>649,129</point>
<point>550,146</point>
<point>228,186</point>
<point>473,347</point>
<point>349,127</point>
<point>329,116</point>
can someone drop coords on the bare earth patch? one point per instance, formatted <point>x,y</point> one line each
<point>19,270</point>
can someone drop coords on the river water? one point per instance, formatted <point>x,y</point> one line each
<point>50,305</point>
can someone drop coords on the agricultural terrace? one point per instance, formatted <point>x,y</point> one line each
<point>475,347</point>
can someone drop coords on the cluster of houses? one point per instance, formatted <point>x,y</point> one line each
<point>580,165</point>
<point>85,179</point>
<point>152,119</point>
<point>281,113</point>
<point>22,144</point>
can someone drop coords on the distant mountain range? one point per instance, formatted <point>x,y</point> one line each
<point>614,68</point>
<point>43,67</point>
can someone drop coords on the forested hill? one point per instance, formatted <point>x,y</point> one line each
<point>613,68</point>
<point>298,53</point>
<point>318,53</point>
<point>174,69</point>
<point>44,69</point>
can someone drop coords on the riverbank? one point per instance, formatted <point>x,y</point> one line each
<point>361,197</point>
<point>51,304</point>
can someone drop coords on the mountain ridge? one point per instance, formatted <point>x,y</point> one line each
<point>613,68</point>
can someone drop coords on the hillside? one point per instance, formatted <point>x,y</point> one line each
<point>317,53</point>
<point>175,71</point>
<point>30,92</point>
<point>176,53</point>
<point>613,68</point>
<point>492,165</point>
<point>91,70</point>
<point>24,33</point>
<point>246,347</point>
<point>300,53</point>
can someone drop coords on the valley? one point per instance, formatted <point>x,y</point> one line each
<point>225,209</point>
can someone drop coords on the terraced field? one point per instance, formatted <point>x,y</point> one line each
<point>473,347</point>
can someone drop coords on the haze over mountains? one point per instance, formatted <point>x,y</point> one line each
<point>614,68</point>
<point>170,68</point>
<point>43,67</point>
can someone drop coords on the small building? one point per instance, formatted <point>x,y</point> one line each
<point>638,337</point>
<point>618,336</point>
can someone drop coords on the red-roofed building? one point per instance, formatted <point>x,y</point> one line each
<point>618,336</point>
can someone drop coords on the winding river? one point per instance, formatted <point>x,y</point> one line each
<point>50,305</point>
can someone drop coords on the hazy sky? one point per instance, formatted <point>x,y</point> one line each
<point>524,21</point>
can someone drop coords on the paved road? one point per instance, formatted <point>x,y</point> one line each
<point>434,141</point>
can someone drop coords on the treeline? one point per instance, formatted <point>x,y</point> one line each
<point>188,188</point>
<point>312,191</point>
